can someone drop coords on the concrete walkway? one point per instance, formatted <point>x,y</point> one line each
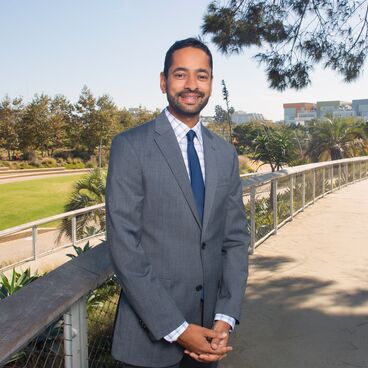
<point>307,298</point>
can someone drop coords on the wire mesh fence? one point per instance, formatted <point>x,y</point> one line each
<point>283,199</point>
<point>47,350</point>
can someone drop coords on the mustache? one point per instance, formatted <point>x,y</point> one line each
<point>191,91</point>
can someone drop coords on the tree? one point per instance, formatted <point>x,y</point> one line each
<point>98,120</point>
<point>267,143</point>
<point>88,191</point>
<point>61,115</point>
<point>34,129</point>
<point>86,119</point>
<point>229,110</point>
<point>336,139</point>
<point>220,115</point>
<point>107,123</point>
<point>295,34</point>
<point>10,114</point>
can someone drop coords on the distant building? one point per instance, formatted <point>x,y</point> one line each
<point>334,108</point>
<point>241,117</point>
<point>299,112</point>
<point>360,107</point>
<point>302,112</point>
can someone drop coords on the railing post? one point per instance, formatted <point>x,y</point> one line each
<point>274,197</point>
<point>347,173</point>
<point>74,230</point>
<point>75,335</point>
<point>314,185</point>
<point>353,172</point>
<point>340,176</point>
<point>34,242</point>
<point>291,197</point>
<point>303,190</point>
<point>323,181</point>
<point>331,177</point>
<point>252,219</point>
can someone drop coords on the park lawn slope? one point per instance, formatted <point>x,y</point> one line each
<point>26,201</point>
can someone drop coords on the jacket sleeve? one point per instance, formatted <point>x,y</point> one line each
<point>124,205</point>
<point>234,250</point>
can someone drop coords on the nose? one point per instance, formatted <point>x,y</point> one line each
<point>191,82</point>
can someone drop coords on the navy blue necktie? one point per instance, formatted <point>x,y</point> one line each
<point>195,172</point>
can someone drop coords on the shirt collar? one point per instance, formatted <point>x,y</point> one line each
<point>181,129</point>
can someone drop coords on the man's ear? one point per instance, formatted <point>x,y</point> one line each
<point>162,82</point>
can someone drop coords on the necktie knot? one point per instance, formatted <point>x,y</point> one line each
<point>190,135</point>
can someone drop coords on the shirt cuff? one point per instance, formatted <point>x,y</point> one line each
<point>225,318</point>
<point>173,336</point>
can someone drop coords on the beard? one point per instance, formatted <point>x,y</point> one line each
<point>189,110</point>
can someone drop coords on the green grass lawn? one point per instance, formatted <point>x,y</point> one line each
<point>26,201</point>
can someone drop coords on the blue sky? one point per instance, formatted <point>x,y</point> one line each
<point>118,46</point>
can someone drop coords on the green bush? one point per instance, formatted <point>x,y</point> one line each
<point>9,286</point>
<point>74,163</point>
<point>49,162</point>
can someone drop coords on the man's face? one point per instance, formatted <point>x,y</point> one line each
<point>189,82</point>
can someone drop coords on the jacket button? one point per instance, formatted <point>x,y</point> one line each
<point>203,245</point>
<point>198,288</point>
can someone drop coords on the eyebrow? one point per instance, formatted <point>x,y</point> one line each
<point>182,69</point>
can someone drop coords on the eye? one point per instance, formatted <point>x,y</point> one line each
<point>202,77</point>
<point>179,75</point>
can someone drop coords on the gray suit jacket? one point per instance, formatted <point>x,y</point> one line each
<point>164,258</point>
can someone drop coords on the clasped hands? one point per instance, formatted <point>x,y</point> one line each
<point>205,345</point>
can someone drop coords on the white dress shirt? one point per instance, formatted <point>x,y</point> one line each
<point>181,130</point>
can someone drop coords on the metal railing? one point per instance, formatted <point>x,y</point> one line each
<point>272,199</point>
<point>66,317</point>
<point>33,251</point>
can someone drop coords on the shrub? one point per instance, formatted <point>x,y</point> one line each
<point>49,162</point>
<point>74,163</point>
<point>62,154</point>
<point>9,286</point>
<point>79,250</point>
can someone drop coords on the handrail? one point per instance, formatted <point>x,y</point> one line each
<point>33,308</point>
<point>28,225</point>
<point>28,312</point>
<point>34,225</point>
<point>264,178</point>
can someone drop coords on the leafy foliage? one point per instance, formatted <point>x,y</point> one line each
<point>336,139</point>
<point>268,143</point>
<point>79,250</point>
<point>54,125</point>
<point>296,34</point>
<point>88,191</point>
<point>9,286</point>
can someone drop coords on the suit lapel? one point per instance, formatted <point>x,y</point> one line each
<point>169,147</point>
<point>211,174</point>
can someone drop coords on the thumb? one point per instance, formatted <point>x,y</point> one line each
<point>215,343</point>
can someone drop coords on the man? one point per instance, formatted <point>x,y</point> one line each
<point>176,227</point>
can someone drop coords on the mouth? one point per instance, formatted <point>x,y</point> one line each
<point>190,98</point>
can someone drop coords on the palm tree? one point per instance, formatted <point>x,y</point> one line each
<point>336,139</point>
<point>88,191</point>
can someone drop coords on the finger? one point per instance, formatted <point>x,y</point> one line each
<point>208,358</point>
<point>218,352</point>
<point>196,357</point>
<point>214,334</point>
<point>215,343</point>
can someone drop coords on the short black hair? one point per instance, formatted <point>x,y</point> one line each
<point>188,42</point>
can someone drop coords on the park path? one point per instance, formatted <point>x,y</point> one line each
<point>307,298</point>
